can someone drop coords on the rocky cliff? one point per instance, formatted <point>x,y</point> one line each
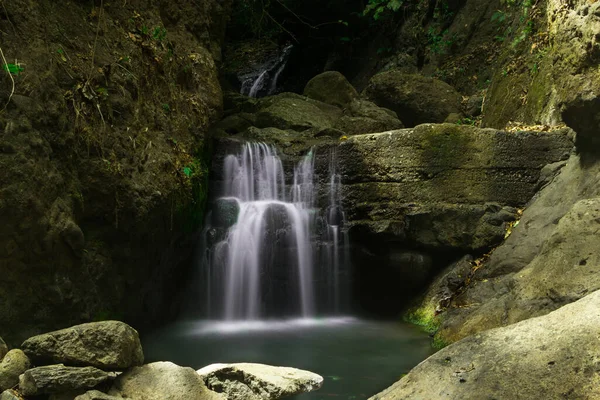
<point>104,110</point>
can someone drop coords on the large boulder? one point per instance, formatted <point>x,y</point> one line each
<point>106,344</point>
<point>247,381</point>
<point>331,87</point>
<point>162,381</point>
<point>550,357</point>
<point>292,111</point>
<point>362,116</point>
<point>416,99</point>
<point>14,364</point>
<point>58,378</point>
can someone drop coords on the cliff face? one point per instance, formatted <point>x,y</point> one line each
<point>102,153</point>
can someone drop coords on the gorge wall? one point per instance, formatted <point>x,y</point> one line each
<point>103,152</point>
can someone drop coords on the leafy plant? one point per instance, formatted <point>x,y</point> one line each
<point>378,7</point>
<point>159,33</point>
<point>14,69</point>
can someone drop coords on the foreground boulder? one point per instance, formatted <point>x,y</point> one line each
<point>247,381</point>
<point>416,99</point>
<point>550,357</point>
<point>162,381</point>
<point>58,379</point>
<point>106,344</point>
<point>13,364</point>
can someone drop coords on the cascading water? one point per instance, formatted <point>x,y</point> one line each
<point>263,241</point>
<point>263,81</point>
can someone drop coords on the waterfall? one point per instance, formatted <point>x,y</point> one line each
<point>263,81</point>
<point>262,241</point>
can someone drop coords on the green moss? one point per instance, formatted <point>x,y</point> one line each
<point>445,145</point>
<point>423,317</point>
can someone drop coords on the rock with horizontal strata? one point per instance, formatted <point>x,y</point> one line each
<point>13,364</point>
<point>247,381</point>
<point>106,344</point>
<point>58,378</point>
<point>162,381</point>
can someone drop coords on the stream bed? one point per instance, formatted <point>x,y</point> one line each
<point>357,358</point>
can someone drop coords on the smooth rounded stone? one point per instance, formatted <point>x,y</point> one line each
<point>331,87</point>
<point>13,364</point>
<point>3,349</point>
<point>248,381</point>
<point>106,344</point>
<point>10,395</point>
<point>416,99</point>
<point>550,357</point>
<point>96,395</point>
<point>225,212</point>
<point>162,381</point>
<point>59,378</point>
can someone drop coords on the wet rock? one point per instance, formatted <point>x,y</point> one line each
<point>549,357</point>
<point>415,99</point>
<point>225,213</point>
<point>331,87</point>
<point>246,381</point>
<point>107,344</point>
<point>58,378</point>
<point>14,364</point>
<point>160,381</point>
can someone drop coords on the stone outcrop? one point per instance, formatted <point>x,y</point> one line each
<point>549,357</point>
<point>14,364</point>
<point>58,378</point>
<point>247,381</point>
<point>416,99</point>
<point>444,185</point>
<point>160,381</point>
<point>107,345</point>
<point>548,261</point>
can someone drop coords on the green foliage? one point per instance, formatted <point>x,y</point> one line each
<point>14,69</point>
<point>467,121</point>
<point>439,42</point>
<point>377,8</point>
<point>159,33</point>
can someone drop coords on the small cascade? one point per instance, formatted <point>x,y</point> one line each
<point>336,247</point>
<point>263,81</point>
<point>262,240</point>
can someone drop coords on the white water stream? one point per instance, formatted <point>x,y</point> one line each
<point>265,263</point>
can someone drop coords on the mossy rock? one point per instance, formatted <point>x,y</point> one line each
<point>331,87</point>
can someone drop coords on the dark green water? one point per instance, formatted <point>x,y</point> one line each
<point>357,358</point>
